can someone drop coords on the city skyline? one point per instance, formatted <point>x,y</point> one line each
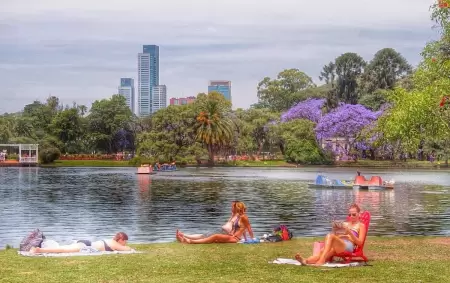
<point>159,98</point>
<point>221,86</point>
<point>53,54</point>
<point>148,78</point>
<point>127,90</point>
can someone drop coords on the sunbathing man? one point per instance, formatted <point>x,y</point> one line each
<point>118,243</point>
<point>239,226</point>
<point>225,229</point>
<point>354,235</point>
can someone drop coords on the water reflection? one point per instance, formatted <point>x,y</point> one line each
<point>70,203</point>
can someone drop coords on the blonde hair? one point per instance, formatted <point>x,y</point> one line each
<point>355,206</point>
<point>240,207</point>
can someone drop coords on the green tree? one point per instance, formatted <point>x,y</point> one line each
<point>172,135</point>
<point>68,127</point>
<point>280,94</point>
<point>328,74</point>
<point>253,135</point>
<point>349,67</point>
<point>385,70</point>
<point>214,127</point>
<point>297,142</point>
<point>416,115</point>
<point>106,118</point>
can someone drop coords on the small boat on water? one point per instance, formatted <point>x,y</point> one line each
<point>145,169</point>
<point>323,182</point>
<point>375,183</point>
<point>165,168</point>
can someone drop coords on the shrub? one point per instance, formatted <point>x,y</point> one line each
<point>49,154</point>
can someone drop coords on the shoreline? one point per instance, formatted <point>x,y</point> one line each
<point>413,164</point>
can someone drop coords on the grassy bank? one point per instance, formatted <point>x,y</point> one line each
<point>397,259</point>
<point>410,164</point>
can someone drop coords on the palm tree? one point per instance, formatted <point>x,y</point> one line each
<point>214,128</point>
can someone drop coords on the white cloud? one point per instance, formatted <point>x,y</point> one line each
<point>78,50</point>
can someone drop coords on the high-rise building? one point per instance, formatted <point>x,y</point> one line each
<point>182,100</point>
<point>126,89</point>
<point>223,87</point>
<point>159,97</point>
<point>148,77</point>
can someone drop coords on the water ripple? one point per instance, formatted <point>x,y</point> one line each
<point>74,203</point>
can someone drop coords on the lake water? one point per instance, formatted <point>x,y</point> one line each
<point>92,203</point>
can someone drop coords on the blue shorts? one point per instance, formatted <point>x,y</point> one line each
<point>349,246</point>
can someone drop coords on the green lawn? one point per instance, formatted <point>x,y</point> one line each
<point>392,259</point>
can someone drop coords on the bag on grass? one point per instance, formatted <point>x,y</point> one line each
<point>33,239</point>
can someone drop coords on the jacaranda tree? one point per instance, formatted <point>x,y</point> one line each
<point>310,109</point>
<point>347,122</point>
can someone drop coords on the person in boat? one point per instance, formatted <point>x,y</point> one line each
<point>240,224</point>
<point>118,243</point>
<point>225,229</point>
<point>354,235</point>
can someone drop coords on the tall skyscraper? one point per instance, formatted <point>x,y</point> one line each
<point>126,89</point>
<point>148,77</point>
<point>159,98</point>
<point>223,87</point>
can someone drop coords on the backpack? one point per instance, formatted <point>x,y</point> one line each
<point>33,239</point>
<point>283,232</point>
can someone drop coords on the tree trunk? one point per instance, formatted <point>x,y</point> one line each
<point>281,148</point>
<point>372,154</point>
<point>260,147</point>
<point>211,154</point>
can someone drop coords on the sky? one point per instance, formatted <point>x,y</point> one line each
<point>79,50</point>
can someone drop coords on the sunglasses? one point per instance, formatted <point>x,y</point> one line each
<point>353,214</point>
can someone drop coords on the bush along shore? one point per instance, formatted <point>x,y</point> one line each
<point>391,259</point>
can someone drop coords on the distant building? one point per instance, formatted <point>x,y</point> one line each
<point>159,97</point>
<point>223,87</point>
<point>126,89</point>
<point>148,78</point>
<point>182,100</point>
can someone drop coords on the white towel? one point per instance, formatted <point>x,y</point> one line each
<point>83,252</point>
<point>328,264</point>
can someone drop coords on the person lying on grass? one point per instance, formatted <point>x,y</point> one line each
<point>354,233</point>
<point>239,226</point>
<point>118,243</point>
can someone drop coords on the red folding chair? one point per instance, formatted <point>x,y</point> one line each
<point>358,253</point>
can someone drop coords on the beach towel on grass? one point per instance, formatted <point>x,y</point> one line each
<point>86,251</point>
<point>328,264</point>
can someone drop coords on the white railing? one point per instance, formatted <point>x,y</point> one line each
<point>29,159</point>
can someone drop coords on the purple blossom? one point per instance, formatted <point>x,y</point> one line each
<point>310,109</point>
<point>346,121</point>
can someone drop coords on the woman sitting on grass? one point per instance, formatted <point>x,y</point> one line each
<point>225,230</point>
<point>354,235</point>
<point>239,226</point>
<point>118,243</point>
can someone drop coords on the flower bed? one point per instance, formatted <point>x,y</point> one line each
<point>90,157</point>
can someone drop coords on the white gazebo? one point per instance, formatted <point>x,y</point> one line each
<point>28,153</point>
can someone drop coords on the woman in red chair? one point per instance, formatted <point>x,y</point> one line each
<point>355,233</point>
